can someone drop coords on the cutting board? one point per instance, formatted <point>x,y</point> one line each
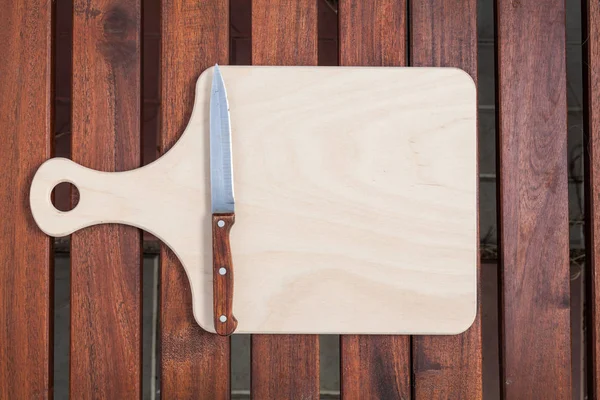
<point>356,199</point>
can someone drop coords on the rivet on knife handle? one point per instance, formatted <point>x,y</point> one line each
<point>225,322</point>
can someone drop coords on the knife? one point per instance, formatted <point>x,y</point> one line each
<point>222,203</point>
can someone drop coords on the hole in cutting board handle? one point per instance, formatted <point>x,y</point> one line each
<point>65,196</point>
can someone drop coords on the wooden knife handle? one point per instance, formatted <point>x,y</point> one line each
<point>225,322</point>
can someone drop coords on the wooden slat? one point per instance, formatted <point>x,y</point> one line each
<point>444,34</point>
<point>26,131</point>
<point>284,366</point>
<point>194,363</point>
<point>106,259</point>
<point>373,33</point>
<point>375,367</point>
<point>533,201</point>
<point>284,32</point>
<point>591,75</point>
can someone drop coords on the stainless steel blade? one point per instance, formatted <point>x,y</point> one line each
<point>221,167</point>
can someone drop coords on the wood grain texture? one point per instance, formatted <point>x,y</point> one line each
<point>285,367</point>
<point>373,33</point>
<point>591,75</point>
<point>25,271</point>
<point>284,33</point>
<point>194,363</point>
<point>106,349</point>
<point>375,367</point>
<point>223,274</point>
<point>533,200</point>
<point>444,34</point>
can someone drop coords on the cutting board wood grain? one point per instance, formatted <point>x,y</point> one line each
<point>356,199</point>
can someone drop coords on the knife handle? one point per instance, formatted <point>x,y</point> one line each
<point>225,322</point>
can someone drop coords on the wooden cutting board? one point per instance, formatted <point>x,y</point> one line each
<point>356,199</point>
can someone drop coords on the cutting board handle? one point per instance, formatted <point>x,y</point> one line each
<point>103,197</point>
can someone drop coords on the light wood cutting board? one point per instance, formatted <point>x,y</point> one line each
<point>356,199</point>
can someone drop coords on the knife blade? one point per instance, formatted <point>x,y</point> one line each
<point>222,204</point>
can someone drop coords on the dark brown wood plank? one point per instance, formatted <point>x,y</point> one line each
<point>194,363</point>
<point>444,34</point>
<point>591,87</point>
<point>284,366</point>
<point>375,367</point>
<point>373,33</point>
<point>533,200</point>
<point>284,32</point>
<point>106,306</point>
<point>26,131</point>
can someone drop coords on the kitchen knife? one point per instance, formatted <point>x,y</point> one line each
<point>222,202</point>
